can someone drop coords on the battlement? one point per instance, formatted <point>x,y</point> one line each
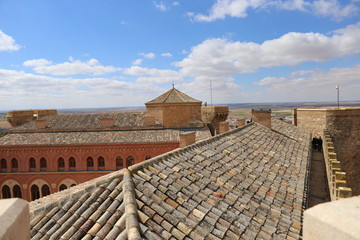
<point>338,187</point>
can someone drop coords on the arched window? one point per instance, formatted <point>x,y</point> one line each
<point>119,162</point>
<point>72,163</point>
<point>101,163</point>
<point>35,193</point>
<point>3,164</point>
<point>32,164</point>
<point>72,185</point>
<point>61,164</point>
<point>45,190</point>
<point>14,164</point>
<point>148,157</point>
<point>43,164</point>
<point>90,163</point>
<point>6,192</point>
<point>62,187</point>
<point>17,191</point>
<point>130,161</point>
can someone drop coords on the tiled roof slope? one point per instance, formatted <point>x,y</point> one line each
<point>173,96</point>
<point>87,121</point>
<point>245,184</point>
<point>98,137</point>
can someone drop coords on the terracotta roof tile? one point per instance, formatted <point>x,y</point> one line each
<point>173,96</point>
<point>259,181</point>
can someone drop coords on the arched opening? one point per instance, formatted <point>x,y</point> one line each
<point>3,165</point>
<point>32,164</point>
<point>43,164</point>
<point>130,161</point>
<point>45,190</point>
<point>6,192</point>
<point>72,185</point>
<point>35,193</point>
<point>90,163</point>
<point>17,191</point>
<point>148,157</point>
<point>72,163</point>
<point>14,165</point>
<point>62,187</point>
<point>119,162</point>
<point>61,164</point>
<point>101,163</point>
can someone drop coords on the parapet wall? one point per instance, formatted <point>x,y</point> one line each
<point>336,176</point>
<point>344,126</point>
<point>17,118</point>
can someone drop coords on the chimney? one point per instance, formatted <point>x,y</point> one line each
<point>223,127</point>
<point>187,138</point>
<point>107,122</point>
<point>262,116</point>
<point>41,123</point>
<point>241,122</point>
<point>294,120</point>
<point>149,121</point>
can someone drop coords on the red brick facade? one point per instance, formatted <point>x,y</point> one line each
<point>47,169</point>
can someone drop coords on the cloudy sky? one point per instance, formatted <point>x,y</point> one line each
<point>115,53</point>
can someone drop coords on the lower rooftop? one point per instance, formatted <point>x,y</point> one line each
<point>248,183</point>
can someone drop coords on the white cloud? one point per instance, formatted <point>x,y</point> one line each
<point>317,85</point>
<point>176,3</point>
<point>137,61</point>
<point>239,8</point>
<point>166,55</point>
<point>161,6</point>
<point>37,62</point>
<point>270,80</point>
<point>148,55</point>
<point>24,90</point>
<point>221,57</point>
<point>7,43</point>
<point>73,67</point>
<point>333,8</point>
<point>153,75</point>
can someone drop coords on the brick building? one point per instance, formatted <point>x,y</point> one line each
<point>45,152</point>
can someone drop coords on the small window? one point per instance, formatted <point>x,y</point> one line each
<point>119,163</point>
<point>62,187</point>
<point>61,164</point>
<point>90,163</point>
<point>130,161</point>
<point>17,191</point>
<point>6,192</point>
<point>148,157</point>
<point>35,193</point>
<point>14,164</point>
<point>45,190</point>
<point>43,164</point>
<point>3,164</point>
<point>101,162</point>
<point>72,162</point>
<point>32,164</point>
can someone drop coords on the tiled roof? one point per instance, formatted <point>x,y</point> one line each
<point>98,137</point>
<point>245,184</point>
<point>87,121</point>
<point>174,96</point>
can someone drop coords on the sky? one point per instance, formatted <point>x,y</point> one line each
<point>122,53</point>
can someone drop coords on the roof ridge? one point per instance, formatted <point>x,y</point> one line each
<point>131,214</point>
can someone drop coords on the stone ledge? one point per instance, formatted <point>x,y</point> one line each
<point>14,219</point>
<point>333,220</point>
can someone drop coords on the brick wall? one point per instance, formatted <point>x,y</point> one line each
<point>313,120</point>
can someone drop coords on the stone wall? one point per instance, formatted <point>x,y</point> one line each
<point>17,118</point>
<point>313,120</point>
<point>344,126</point>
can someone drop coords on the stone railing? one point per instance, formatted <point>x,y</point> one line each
<point>336,176</point>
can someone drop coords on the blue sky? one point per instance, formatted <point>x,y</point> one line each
<point>116,53</point>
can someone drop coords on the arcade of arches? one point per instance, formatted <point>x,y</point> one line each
<point>34,172</point>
